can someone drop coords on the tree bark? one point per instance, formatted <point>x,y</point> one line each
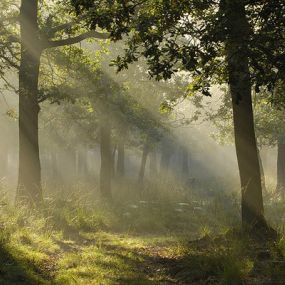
<point>106,159</point>
<point>280,188</point>
<point>143,163</point>
<point>245,140</point>
<point>29,180</point>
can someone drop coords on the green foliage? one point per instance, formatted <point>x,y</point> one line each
<point>268,116</point>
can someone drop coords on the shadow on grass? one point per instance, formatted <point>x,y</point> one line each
<point>228,260</point>
<point>210,260</point>
<point>16,270</point>
<point>110,264</point>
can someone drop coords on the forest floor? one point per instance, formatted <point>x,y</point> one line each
<point>138,244</point>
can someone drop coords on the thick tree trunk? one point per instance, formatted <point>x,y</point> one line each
<point>29,181</point>
<point>143,163</point>
<point>106,160</point>
<point>280,188</point>
<point>245,140</point>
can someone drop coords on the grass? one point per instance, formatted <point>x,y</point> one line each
<point>158,238</point>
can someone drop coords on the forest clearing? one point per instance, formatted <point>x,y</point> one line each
<point>80,242</point>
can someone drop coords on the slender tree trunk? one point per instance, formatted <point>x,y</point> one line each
<point>165,158</point>
<point>114,160</point>
<point>81,161</point>
<point>153,165</point>
<point>106,159</point>
<point>263,183</point>
<point>73,163</point>
<point>185,162</point>
<point>280,188</point>
<point>29,181</point>
<point>121,151</point>
<point>121,159</point>
<point>143,163</point>
<point>245,140</point>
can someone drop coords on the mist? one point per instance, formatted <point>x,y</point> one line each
<point>142,142</point>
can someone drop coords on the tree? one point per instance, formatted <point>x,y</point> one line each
<point>240,89</point>
<point>39,31</point>
<point>121,151</point>
<point>106,158</point>
<point>145,153</point>
<point>268,124</point>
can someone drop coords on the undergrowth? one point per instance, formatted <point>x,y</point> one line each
<point>162,236</point>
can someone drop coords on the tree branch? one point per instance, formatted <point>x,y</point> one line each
<point>76,39</point>
<point>10,62</point>
<point>65,26</point>
<point>52,31</point>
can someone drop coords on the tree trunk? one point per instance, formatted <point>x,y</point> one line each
<point>121,151</point>
<point>106,159</point>
<point>245,140</point>
<point>263,184</point>
<point>29,180</point>
<point>121,159</point>
<point>165,158</point>
<point>280,188</point>
<point>185,162</point>
<point>114,160</point>
<point>82,168</point>
<point>143,163</point>
<point>153,165</point>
